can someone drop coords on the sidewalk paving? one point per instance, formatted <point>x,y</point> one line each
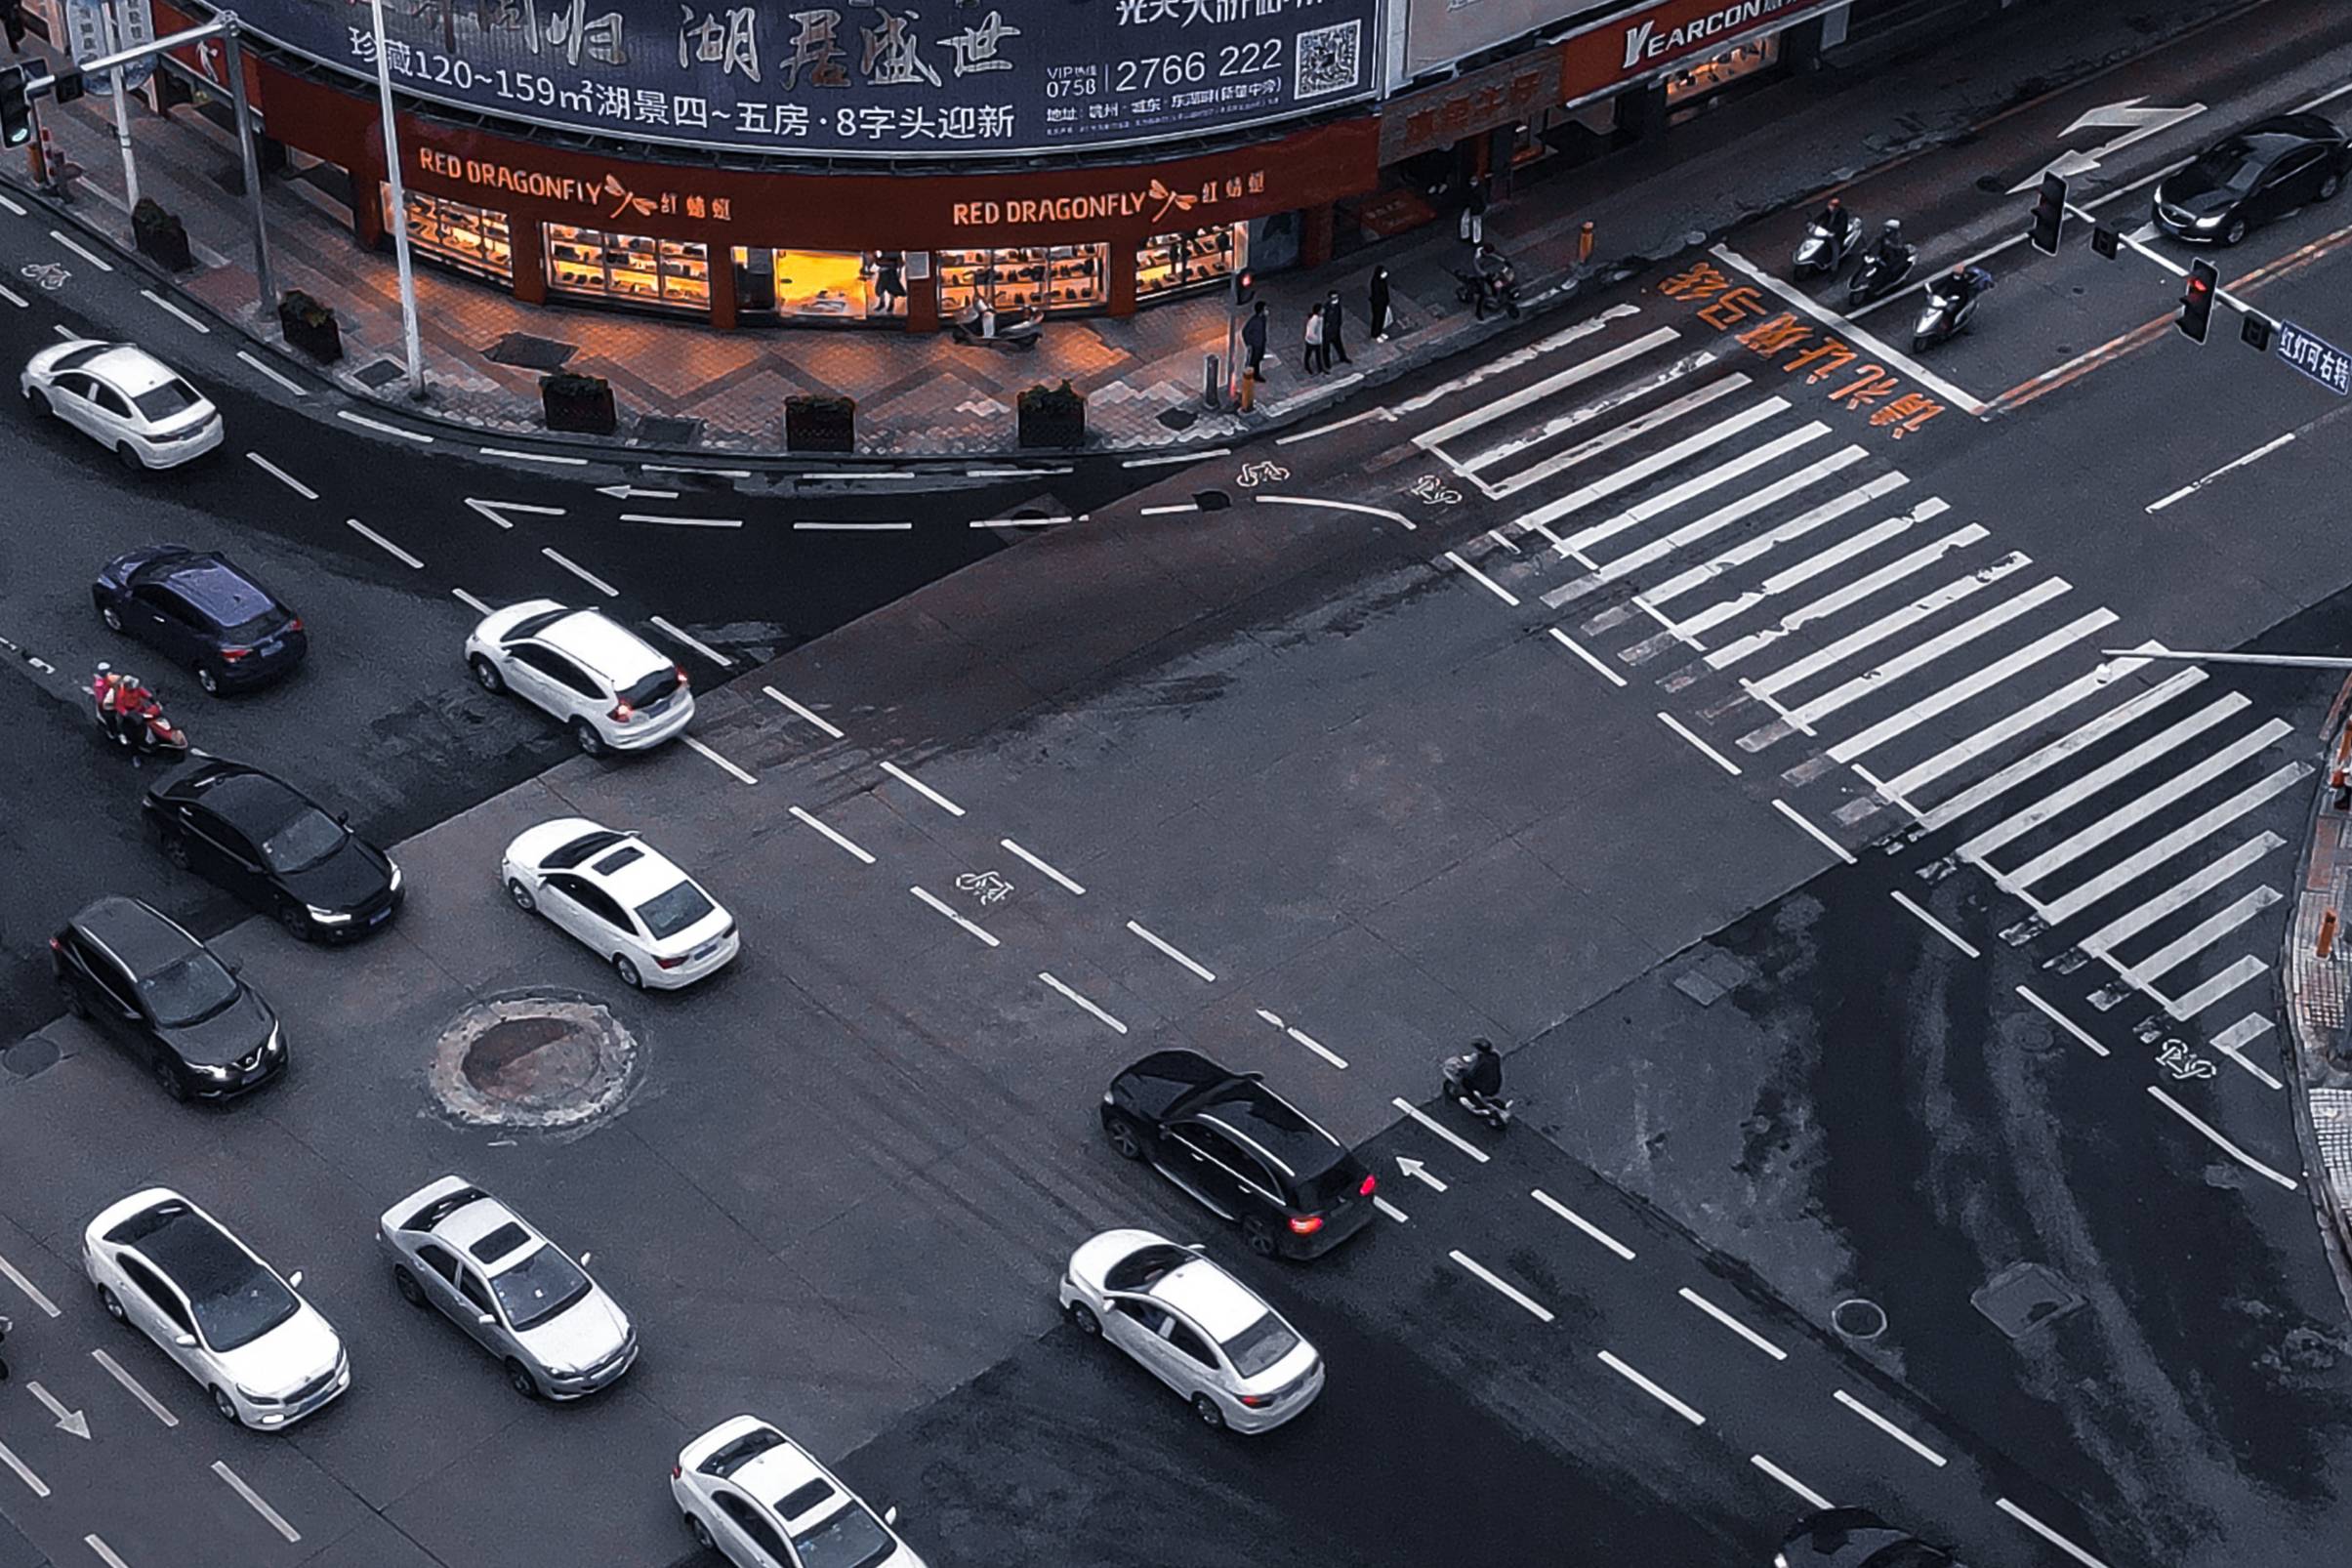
<point>680,385</point>
<point>2317,981</point>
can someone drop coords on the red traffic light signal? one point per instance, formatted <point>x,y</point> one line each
<point>1244,286</point>
<point>2197,305</point>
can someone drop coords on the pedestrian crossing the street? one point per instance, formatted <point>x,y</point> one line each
<point>1863,650</point>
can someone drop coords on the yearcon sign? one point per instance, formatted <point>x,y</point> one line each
<point>876,78</point>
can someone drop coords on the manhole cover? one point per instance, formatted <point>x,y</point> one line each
<point>28,1057</point>
<point>1858,1319</point>
<point>529,1059</point>
<point>2023,1297</point>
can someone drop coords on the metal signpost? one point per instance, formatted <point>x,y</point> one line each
<point>2315,356</point>
<point>400,207</point>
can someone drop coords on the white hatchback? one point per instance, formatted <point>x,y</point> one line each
<point>759,1500</point>
<point>625,899</point>
<point>614,690</point>
<point>175,1273</point>
<point>124,398</point>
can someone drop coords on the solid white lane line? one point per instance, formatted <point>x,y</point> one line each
<point>1484,581</point>
<point>1708,752</point>
<point>2180,785</point>
<point>1509,1292</point>
<point>933,899</point>
<point>1029,522</point>
<point>8,1457</point>
<point>1690,533</point>
<point>836,836</point>
<point>580,571</point>
<point>261,1505</point>
<point>1173,457</point>
<point>1972,685</point>
<point>2171,845</point>
<point>925,790</point>
<point>1657,462</point>
<point>1733,1323</point>
<point>2248,970</point>
<point>419,436</point>
<point>1790,1482</point>
<point>2058,751</point>
<point>1697,485</point>
<point>2233,1041</point>
<point>1116,1026</point>
<point>281,476</point>
<point>1065,881</point>
<point>32,1291</point>
<point>696,644</point>
<point>1609,403</point>
<point>1890,1428</point>
<point>1586,654</point>
<point>1631,429</point>
<point>715,473</point>
<point>533,457</point>
<point>285,380</point>
<point>388,546</point>
<point>1336,506</point>
<point>1759,545</point>
<point>859,476</point>
<point>686,522</point>
<point>1171,951</point>
<point>1652,1389</point>
<point>1581,1224</point>
<point>137,1391</point>
<point>1336,425</point>
<point>1441,1130</point>
<point>2195,485</point>
<point>67,240</point>
<point>1852,334</point>
<point>1926,653</point>
<point>1389,1208</point>
<point>709,754</point>
<point>1557,380</point>
<point>467,600</point>
<point>1802,571</point>
<point>1315,1046</point>
<point>2200,936</point>
<point>803,712</point>
<point>1171,510</point>
<point>2062,1022</point>
<point>158,300</point>
<point>1853,592</point>
<point>803,526</point>
<point>2009,728</point>
<point>1887,625</point>
<point>1825,840</point>
<point>1934,925</point>
<point>2047,1534</point>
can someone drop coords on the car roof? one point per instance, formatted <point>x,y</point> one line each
<point>1249,1110</point>
<point>131,369</point>
<point>644,872</point>
<point>1219,1303</point>
<point>603,644</point>
<point>245,797</point>
<point>141,938</point>
<point>778,1473</point>
<point>465,1226</point>
<point>192,1249</point>
<point>211,582</point>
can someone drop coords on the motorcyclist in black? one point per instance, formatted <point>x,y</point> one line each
<point>1484,1074</point>
<point>1832,217</point>
<point>1888,249</point>
<point>1494,279</point>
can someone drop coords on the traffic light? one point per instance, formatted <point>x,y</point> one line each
<point>2049,215</point>
<point>2197,305</point>
<point>16,112</point>
<point>2254,332</point>
<point>2106,241</point>
<point>67,85</point>
<point>1244,287</point>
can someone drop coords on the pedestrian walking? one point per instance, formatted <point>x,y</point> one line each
<point>1474,215</point>
<point>1316,359</point>
<point>1253,340</point>
<point>888,286</point>
<point>1380,305</point>
<point>1335,322</point>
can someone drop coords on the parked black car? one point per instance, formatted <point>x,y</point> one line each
<point>164,997</point>
<point>270,844</point>
<point>199,609</point>
<point>2245,181</point>
<point>1856,1538</point>
<point>1243,1150</point>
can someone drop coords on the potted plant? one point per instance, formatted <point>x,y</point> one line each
<point>577,402</point>
<point>1052,416</point>
<point>820,422</point>
<point>310,326</point>
<point>160,237</point>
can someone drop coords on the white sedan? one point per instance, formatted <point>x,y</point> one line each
<point>756,1498</point>
<point>124,398</point>
<point>622,897</point>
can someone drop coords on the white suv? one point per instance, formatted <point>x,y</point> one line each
<point>614,690</point>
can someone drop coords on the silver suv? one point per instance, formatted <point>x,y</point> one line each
<point>611,688</point>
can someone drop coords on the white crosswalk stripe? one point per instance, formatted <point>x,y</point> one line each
<point>2098,778</point>
<point>1983,681</point>
<point>1886,626</point>
<point>1907,783</point>
<point>2058,751</point>
<point>2180,895</point>
<point>1853,592</point>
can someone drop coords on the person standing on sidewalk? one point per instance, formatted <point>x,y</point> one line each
<point>1380,305</point>
<point>1474,215</point>
<point>1335,324</point>
<point>1253,340</point>
<point>1315,359</point>
<point>888,286</point>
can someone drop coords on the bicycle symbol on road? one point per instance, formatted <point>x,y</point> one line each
<point>48,274</point>
<point>1257,473</point>
<point>985,886</point>
<point>1435,492</point>
<point>2183,1063</point>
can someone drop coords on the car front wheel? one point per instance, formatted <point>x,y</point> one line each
<point>521,894</point>
<point>519,1378</point>
<point>410,1290</point>
<point>701,1533</point>
<point>112,1303</point>
<point>585,735</point>
<point>112,617</point>
<point>1084,1320</point>
<point>168,1078</point>
<point>175,849</point>
<point>1124,1139</point>
<point>1210,1415</point>
<point>226,1406</point>
<point>486,675</point>
<point>210,682</point>
<point>2331,186</point>
<point>37,400</point>
<point>297,924</point>
<point>2233,231</point>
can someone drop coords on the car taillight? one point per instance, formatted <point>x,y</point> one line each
<point>680,670</point>
<point>621,713</point>
<point>1364,1191</point>
<point>1256,1401</point>
<point>234,654</point>
<point>56,946</point>
<point>1305,1224</point>
<point>674,1472</point>
<point>295,625</point>
<point>672,962</point>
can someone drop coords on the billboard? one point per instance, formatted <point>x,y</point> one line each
<point>857,78</point>
<point>1439,32</point>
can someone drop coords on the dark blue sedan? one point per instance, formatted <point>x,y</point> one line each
<point>199,609</point>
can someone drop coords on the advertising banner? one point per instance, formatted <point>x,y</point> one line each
<point>857,78</point>
<point>1439,32</point>
<point>1650,38</point>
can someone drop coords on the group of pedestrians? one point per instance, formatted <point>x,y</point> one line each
<point>1324,333</point>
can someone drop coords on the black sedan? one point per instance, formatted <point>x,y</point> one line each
<point>199,609</point>
<point>1246,1153</point>
<point>272,845</point>
<point>164,997</point>
<point>1856,1538</point>
<point>2263,172</point>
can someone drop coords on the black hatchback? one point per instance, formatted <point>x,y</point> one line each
<point>2264,172</point>
<point>165,998</point>
<point>272,845</point>
<point>1245,1152</point>
<point>201,610</point>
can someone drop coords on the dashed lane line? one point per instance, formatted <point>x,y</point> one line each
<point>696,644</point>
<point>1822,838</point>
<point>1581,1223</point>
<point>259,1504</point>
<point>91,256</point>
<point>467,600</point>
<point>281,476</point>
<point>933,900</point>
<point>858,476</point>
<point>105,1553</point>
<point>496,511</point>
<point>708,755</point>
<point>160,303</point>
<point>66,332</point>
<point>1390,1210</point>
<point>1705,750</point>
<point>1171,510</point>
<point>2047,1534</point>
<point>1587,654</point>
<point>809,525</point>
<point>13,298</point>
<point>386,545</point>
<point>682,522</point>
<point>1934,925</point>
<point>1890,1428</point>
<point>534,456</point>
<point>1171,950</point>
<point>580,571</point>
<point>1484,581</point>
<point>1734,1324</point>
<point>137,1390</point>
<point>12,206</point>
<point>1065,881</point>
<point>32,1291</point>
<point>803,712</point>
<point>1306,1039</point>
<point>2061,1020</point>
<point>1439,1128</point>
<point>1175,457</point>
<point>282,379</point>
<point>2225,1146</point>
<point>925,790</point>
<point>1790,1482</point>
<point>1116,1026</point>
<point>418,436</point>
<point>1030,522</point>
<point>835,835</point>
<point>1678,1407</point>
<point>1019,474</point>
<point>8,1457</point>
<point>715,473</point>
<point>1535,1309</point>
<point>1336,425</point>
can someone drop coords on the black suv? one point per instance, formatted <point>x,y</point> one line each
<point>200,610</point>
<point>1243,1150</point>
<point>203,1033</point>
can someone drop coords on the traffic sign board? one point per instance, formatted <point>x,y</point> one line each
<point>2315,356</point>
<point>90,31</point>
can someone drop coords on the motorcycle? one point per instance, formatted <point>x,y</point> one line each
<point>143,733</point>
<point>1501,292</point>
<point>1877,276</point>
<point>1012,332</point>
<point>1822,251</point>
<point>1949,310</point>
<point>1492,1109</point>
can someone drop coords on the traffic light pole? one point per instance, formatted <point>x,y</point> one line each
<point>232,62</point>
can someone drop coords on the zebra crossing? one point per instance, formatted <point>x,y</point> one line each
<point>1885,667</point>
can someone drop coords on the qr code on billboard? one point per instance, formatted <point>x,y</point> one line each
<point>1331,60</point>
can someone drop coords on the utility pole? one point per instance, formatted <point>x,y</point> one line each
<point>400,207</point>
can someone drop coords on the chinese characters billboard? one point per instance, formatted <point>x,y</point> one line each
<point>874,78</point>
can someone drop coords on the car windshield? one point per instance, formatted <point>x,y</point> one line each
<point>667,914</point>
<point>173,397</point>
<point>2231,166</point>
<point>189,991</point>
<point>1261,1346</point>
<point>539,1287</point>
<point>307,839</point>
<point>850,1539</point>
<point>241,1308</point>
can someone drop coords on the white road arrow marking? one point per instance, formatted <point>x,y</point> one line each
<point>624,492</point>
<point>496,511</point>
<point>1419,1172</point>
<point>2135,122</point>
<point>72,1421</point>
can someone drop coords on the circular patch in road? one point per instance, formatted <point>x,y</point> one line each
<point>530,1059</point>
<point>1858,1319</point>
<point>32,1055</point>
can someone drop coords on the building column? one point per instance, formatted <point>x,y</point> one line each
<point>367,211</point>
<point>527,250</point>
<point>1314,235</point>
<point>1122,277</point>
<point>923,301</point>
<point>719,267</point>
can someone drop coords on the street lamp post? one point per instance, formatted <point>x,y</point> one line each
<point>400,207</point>
<point>233,59</point>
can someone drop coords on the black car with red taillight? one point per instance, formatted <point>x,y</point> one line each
<point>1243,1151</point>
<point>203,611</point>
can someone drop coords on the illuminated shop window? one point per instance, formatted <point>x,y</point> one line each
<point>472,239</point>
<point>1025,278</point>
<point>633,268</point>
<point>1172,264</point>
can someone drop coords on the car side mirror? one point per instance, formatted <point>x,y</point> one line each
<point>1196,1248</point>
<point>233,966</point>
<point>485,1320</point>
<point>584,1257</point>
<point>344,817</point>
<point>295,1279</point>
<point>890,1515</point>
<point>186,1342</point>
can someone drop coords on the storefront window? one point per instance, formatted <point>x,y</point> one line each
<point>628,266</point>
<point>472,239</point>
<point>1169,263</point>
<point>1025,277</point>
<point>1694,82</point>
<point>815,285</point>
